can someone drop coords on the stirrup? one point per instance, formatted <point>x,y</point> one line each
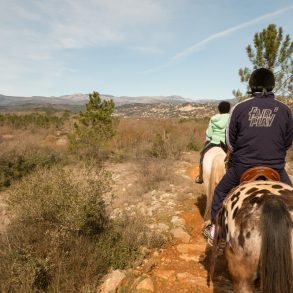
<point>210,242</point>
<point>206,232</point>
<point>198,180</point>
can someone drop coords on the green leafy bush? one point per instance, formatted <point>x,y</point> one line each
<point>60,238</point>
<point>55,196</point>
<point>15,164</point>
<point>33,119</point>
<point>53,213</point>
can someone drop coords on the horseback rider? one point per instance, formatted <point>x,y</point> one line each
<point>215,133</point>
<point>259,133</point>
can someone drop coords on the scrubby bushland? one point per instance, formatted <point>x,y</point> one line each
<point>33,119</point>
<point>16,163</point>
<point>60,238</point>
<point>53,214</point>
<point>158,138</point>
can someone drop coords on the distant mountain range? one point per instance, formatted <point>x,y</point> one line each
<point>81,99</point>
<point>76,102</point>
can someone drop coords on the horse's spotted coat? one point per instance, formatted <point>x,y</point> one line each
<point>246,221</point>
<point>246,199</point>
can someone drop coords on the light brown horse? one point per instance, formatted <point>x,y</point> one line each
<point>256,224</point>
<point>213,171</point>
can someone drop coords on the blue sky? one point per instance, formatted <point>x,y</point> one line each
<point>191,48</point>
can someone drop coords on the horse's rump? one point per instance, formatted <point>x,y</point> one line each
<point>255,221</point>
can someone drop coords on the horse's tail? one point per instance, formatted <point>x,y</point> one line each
<point>217,173</point>
<point>275,257</point>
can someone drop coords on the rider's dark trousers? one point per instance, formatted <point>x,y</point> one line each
<point>230,180</point>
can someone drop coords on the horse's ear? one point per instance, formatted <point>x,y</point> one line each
<point>224,147</point>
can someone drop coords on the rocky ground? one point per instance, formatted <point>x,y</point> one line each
<point>182,265</point>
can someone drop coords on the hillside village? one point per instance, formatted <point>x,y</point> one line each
<point>181,111</point>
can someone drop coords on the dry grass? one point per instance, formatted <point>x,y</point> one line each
<point>161,138</point>
<point>21,151</point>
<point>135,139</point>
<point>17,139</point>
<point>154,173</point>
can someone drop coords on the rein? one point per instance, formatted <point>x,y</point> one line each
<point>219,242</point>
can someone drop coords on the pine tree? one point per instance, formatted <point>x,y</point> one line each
<point>272,51</point>
<point>93,128</point>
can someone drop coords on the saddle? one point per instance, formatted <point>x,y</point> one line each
<point>260,173</point>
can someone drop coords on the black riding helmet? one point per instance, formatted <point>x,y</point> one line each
<point>262,79</point>
<point>224,107</point>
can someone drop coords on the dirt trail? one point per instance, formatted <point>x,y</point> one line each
<point>183,265</point>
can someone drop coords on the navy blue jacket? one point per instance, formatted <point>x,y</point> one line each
<point>259,132</point>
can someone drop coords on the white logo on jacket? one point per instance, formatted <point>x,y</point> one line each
<point>261,118</point>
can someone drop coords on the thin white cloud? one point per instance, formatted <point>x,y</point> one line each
<point>157,68</point>
<point>143,50</point>
<point>201,45</point>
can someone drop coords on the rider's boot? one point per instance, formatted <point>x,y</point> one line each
<point>199,178</point>
<point>209,233</point>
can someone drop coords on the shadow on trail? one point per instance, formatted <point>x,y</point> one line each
<point>221,279</point>
<point>201,204</point>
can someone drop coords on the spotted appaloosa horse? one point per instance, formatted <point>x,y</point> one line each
<point>256,222</point>
<point>213,171</point>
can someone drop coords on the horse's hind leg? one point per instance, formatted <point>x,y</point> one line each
<point>207,214</point>
<point>242,271</point>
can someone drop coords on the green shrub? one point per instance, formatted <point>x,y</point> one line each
<point>60,238</point>
<point>194,145</point>
<point>55,214</point>
<point>121,243</point>
<point>55,196</point>
<point>15,164</point>
<point>33,119</point>
<point>158,149</point>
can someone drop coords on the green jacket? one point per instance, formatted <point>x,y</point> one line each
<point>217,126</point>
